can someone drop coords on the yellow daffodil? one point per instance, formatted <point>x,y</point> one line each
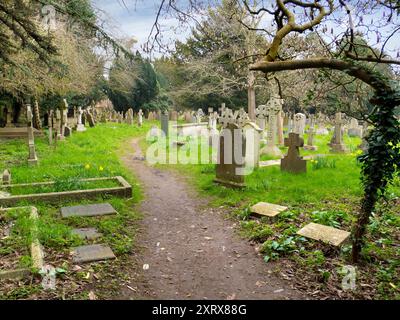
<point>87,167</point>
<point>101,168</point>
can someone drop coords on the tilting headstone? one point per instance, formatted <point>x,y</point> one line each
<point>91,120</point>
<point>292,162</point>
<point>337,145</point>
<point>231,157</point>
<point>67,131</point>
<point>330,235</point>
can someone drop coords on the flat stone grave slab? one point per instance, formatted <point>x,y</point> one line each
<point>89,210</point>
<point>264,209</point>
<point>270,163</point>
<point>325,234</point>
<point>87,233</point>
<point>92,253</point>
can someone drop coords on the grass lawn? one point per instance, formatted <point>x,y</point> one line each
<point>329,194</point>
<point>90,154</point>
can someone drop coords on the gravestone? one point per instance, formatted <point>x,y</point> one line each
<point>36,114</point>
<point>32,159</point>
<point>252,133</point>
<point>67,131</point>
<point>87,233</point>
<point>227,117</point>
<point>337,145</point>
<point>231,157</point>
<point>90,210</point>
<point>9,118</point>
<point>92,253</point>
<point>242,118</point>
<point>129,117</point>
<point>80,127</point>
<point>274,106</point>
<point>299,123</point>
<point>50,126</point>
<point>310,139</point>
<point>292,162</point>
<point>165,123</point>
<point>140,118</point>
<point>199,115</point>
<point>269,210</point>
<point>333,236</point>
<point>150,116</point>
<point>355,130</point>
<point>6,178</point>
<point>58,125</point>
<point>91,121</point>
<point>281,137</point>
<point>174,115</point>
<point>188,117</point>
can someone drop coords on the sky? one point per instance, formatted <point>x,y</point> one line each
<point>135,18</point>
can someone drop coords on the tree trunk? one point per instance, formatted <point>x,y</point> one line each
<point>251,96</point>
<point>367,206</point>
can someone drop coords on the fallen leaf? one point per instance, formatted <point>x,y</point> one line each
<point>231,297</point>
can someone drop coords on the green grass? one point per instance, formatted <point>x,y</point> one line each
<point>90,154</point>
<point>329,193</point>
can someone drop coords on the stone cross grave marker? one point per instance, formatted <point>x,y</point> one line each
<point>311,133</point>
<point>292,162</point>
<point>227,117</point>
<point>80,127</point>
<point>337,145</point>
<point>274,106</point>
<point>299,123</point>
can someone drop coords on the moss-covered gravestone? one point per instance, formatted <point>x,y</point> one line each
<point>231,157</point>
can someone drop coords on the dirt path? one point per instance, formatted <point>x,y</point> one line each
<point>191,250</point>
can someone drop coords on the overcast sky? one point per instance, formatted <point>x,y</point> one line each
<point>135,18</point>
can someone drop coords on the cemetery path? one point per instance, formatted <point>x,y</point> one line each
<point>191,250</point>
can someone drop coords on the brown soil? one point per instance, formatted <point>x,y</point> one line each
<point>192,251</point>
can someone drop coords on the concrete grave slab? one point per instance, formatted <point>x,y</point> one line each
<point>90,210</point>
<point>87,233</point>
<point>264,209</point>
<point>92,253</point>
<point>323,233</point>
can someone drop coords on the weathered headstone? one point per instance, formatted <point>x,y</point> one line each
<point>299,123</point>
<point>310,139</point>
<point>252,133</point>
<point>80,127</point>
<point>92,253</point>
<point>231,157</point>
<point>292,162</point>
<point>9,119</point>
<point>355,130</point>
<point>91,121</point>
<point>87,233</point>
<point>274,106</point>
<point>32,159</point>
<point>6,178</point>
<point>165,123</point>
<point>140,118</point>
<point>67,131</point>
<point>89,210</point>
<point>269,210</point>
<point>333,236</point>
<point>337,145</point>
